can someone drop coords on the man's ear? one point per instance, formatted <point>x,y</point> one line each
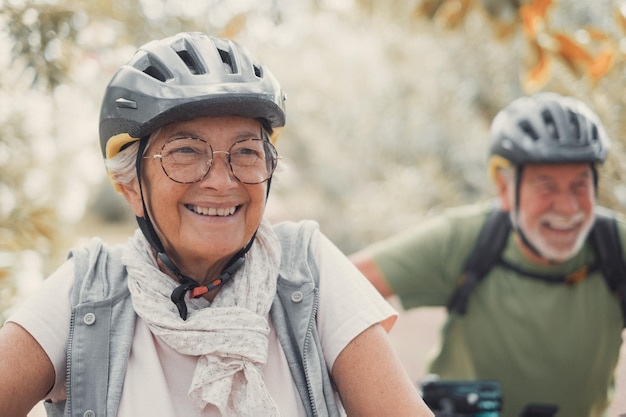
<point>503,188</point>
<point>133,196</point>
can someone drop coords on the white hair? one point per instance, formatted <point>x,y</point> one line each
<point>123,166</point>
<point>509,173</point>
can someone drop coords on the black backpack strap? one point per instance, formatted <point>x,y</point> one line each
<point>572,278</point>
<point>486,253</point>
<point>605,239</point>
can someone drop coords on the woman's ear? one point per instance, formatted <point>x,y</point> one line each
<point>504,187</point>
<point>133,196</point>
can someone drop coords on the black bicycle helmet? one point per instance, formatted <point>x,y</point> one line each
<point>182,77</point>
<point>547,128</point>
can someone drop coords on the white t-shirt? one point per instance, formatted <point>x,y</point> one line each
<point>158,377</point>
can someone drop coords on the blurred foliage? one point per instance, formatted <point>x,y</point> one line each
<point>388,111</point>
<point>588,50</point>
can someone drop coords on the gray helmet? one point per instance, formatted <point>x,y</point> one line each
<point>548,128</point>
<point>183,77</point>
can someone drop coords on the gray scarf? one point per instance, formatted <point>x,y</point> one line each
<point>229,335</point>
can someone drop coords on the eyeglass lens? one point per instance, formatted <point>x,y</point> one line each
<point>188,160</point>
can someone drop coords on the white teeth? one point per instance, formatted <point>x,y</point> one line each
<point>206,211</point>
<point>562,226</point>
<point>559,222</point>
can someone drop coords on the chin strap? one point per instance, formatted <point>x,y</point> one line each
<point>196,289</point>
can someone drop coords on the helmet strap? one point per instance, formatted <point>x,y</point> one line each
<point>198,290</point>
<point>145,224</point>
<point>594,172</point>
<point>519,171</point>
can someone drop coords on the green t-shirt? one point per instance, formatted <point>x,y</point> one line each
<point>546,343</point>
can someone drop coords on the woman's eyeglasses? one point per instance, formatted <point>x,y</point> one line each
<point>188,160</point>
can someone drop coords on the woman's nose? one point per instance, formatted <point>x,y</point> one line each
<point>219,173</point>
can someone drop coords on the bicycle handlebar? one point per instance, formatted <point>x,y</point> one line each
<point>479,398</point>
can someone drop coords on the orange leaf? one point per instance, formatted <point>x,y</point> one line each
<point>452,12</point>
<point>503,29</point>
<point>539,74</point>
<point>596,34</point>
<point>427,8</point>
<point>571,51</point>
<point>234,26</point>
<point>601,65</point>
<point>533,15</point>
<point>620,17</point>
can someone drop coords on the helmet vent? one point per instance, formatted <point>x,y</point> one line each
<point>573,120</point>
<point>194,66</point>
<point>257,71</point>
<point>594,133</point>
<point>553,133</point>
<point>155,72</point>
<point>227,60</point>
<point>528,129</point>
<point>151,65</point>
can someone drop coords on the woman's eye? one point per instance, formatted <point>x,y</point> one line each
<point>186,150</point>
<point>247,152</point>
<point>183,147</point>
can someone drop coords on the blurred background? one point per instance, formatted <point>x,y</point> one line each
<point>389,105</point>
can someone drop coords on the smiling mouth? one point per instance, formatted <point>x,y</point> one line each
<point>211,211</point>
<point>562,226</point>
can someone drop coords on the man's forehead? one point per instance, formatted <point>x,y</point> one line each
<point>574,171</point>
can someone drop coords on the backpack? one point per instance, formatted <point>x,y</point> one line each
<point>492,239</point>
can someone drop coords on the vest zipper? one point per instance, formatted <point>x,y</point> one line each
<point>68,373</point>
<point>305,347</point>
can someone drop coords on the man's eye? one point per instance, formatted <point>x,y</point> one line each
<point>545,188</point>
<point>581,186</point>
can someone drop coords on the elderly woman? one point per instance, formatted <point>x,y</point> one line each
<point>208,310</point>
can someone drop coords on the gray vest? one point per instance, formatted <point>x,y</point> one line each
<point>103,322</point>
